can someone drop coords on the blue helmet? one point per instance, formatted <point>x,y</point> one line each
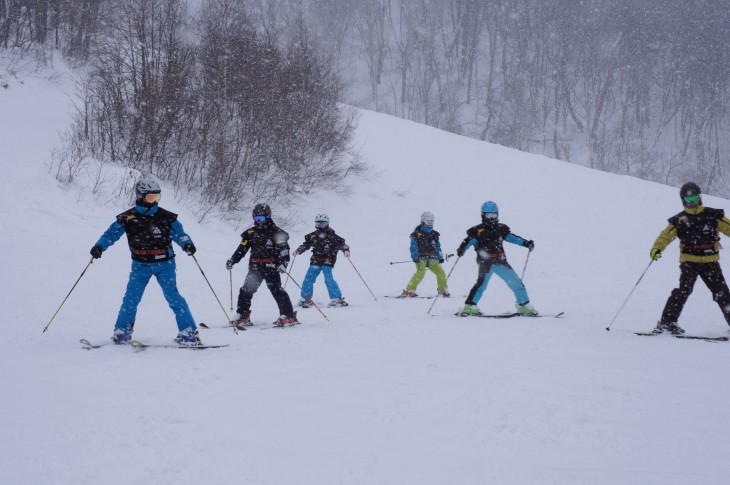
<point>490,211</point>
<point>490,206</point>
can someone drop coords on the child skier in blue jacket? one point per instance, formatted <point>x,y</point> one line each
<point>150,231</point>
<point>426,253</point>
<point>487,240</point>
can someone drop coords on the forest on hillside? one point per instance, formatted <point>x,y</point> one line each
<point>630,87</point>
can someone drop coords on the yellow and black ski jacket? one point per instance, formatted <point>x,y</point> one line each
<point>698,231</point>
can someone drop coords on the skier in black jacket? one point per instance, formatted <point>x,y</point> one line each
<point>697,228</point>
<point>487,240</point>
<point>269,248</point>
<point>325,244</point>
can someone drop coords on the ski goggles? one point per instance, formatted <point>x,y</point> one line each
<point>155,197</point>
<point>428,223</point>
<point>320,225</point>
<point>490,215</point>
<point>692,199</point>
<point>259,218</point>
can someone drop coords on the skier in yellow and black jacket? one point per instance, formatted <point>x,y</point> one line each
<point>698,229</point>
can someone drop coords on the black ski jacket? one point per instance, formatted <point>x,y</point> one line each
<point>325,244</point>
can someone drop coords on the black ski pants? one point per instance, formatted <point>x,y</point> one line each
<point>256,274</point>
<point>711,274</point>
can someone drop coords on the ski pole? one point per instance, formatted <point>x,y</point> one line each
<point>400,262</point>
<point>228,319</point>
<point>292,267</point>
<point>230,276</point>
<point>363,279</point>
<point>447,279</point>
<point>630,293</point>
<point>308,296</point>
<point>525,267</point>
<point>69,294</point>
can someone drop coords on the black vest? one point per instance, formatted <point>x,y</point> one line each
<point>698,232</point>
<point>489,239</point>
<point>427,242</point>
<point>149,235</point>
<point>325,245</point>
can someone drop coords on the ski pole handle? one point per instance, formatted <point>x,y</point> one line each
<point>400,262</point>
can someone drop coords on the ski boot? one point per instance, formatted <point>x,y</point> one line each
<point>408,294</point>
<point>284,321</point>
<point>470,310</point>
<point>305,303</point>
<point>337,302</point>
<point>444,294</point>
<point>526,310</point>
<point>242,320</point>
<point>670,327</point>
<point>188,338</point>
<point>121,337</point>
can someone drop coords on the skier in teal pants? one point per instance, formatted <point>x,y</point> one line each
<point>150,231</point>
<point>487,240</point>
<point>325,245</point>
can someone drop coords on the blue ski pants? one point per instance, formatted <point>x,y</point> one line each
<point>504,271</point>
<point>312,273</point>
<point>140,275</point>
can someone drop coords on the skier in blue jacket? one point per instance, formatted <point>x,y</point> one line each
<point>150,231</point>
<point>487,240</point>
<point>426,253</point>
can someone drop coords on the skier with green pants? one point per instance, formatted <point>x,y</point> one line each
<point>426,253</point>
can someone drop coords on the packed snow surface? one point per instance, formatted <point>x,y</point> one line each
<point>381,393</point>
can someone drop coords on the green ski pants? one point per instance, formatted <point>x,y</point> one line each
<point>435,268</point>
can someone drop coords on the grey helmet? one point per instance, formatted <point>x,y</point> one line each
<point>321,221</point>
<point>146,185</point>
<point>428,218</point>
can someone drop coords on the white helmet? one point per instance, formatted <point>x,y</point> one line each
<point>322,218</point>
<point>146,185</point>
<point>427,218</point>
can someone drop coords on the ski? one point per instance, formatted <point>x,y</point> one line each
<point>398,297</point>
<point>688,337</point>
<point>237,327</point>
<point>88,345</point>
<point>137,345</point>
<point>510,315</point>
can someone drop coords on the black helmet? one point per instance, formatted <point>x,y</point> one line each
<point>261,210</point>
<point>693,191</point>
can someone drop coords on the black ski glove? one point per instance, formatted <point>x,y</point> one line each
<point>96,251</point>
<point>190,249</point>
<point>530,245</point>
<point>460,252</point>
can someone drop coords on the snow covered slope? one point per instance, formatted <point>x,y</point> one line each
<point>381,393</point>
